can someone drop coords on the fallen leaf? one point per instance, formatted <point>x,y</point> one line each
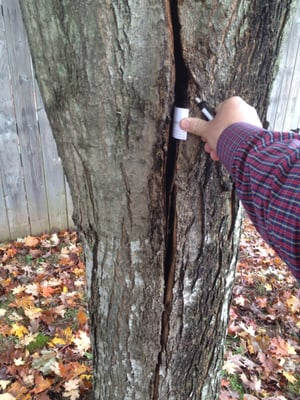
<point>290,377</point>
<point>7,396</point>
<point>82,317</point>
<point>4,384</point>
<point>11,252</point>
<point>83,343</point>
<point>249,330</point>
<point>33,312</point>
<point>19,330</point>
<point>281,347</point>
<point>72,389</point>
<point>31,241</point>
<point>57,341</point>
<point>47,291</point>
<point>294,303</point>
<point>18,289</point>
<point>33,289</point>
<point>230,367</point>
<point>41,384</point>
<point>19,361</point>
<point>254,383</point>
<point>45,361</point>
<point>2,312</point>
<point>23,302</point>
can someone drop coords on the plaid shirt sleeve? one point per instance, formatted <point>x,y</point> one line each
<point>265,167</point>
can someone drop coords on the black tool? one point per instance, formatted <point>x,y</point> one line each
<point>207,111</point>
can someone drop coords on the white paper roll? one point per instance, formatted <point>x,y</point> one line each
<point>179,114</point>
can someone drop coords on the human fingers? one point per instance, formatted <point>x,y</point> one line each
<point>213,155</point>
<point>235,109</point>
<point>232,101</point>
<point>207,148</point>
<point>196,126</point>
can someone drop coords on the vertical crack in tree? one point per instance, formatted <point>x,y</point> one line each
<point>180,90</point>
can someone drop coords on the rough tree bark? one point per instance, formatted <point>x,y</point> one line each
<point>157,218</point>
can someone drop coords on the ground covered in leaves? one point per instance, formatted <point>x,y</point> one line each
<point>262,359</point>
<point>44,339</point>
<point>45,349</point>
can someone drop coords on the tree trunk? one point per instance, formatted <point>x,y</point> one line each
<point>157,218</point>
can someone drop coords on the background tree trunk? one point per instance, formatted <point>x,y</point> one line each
<point>157,218</point>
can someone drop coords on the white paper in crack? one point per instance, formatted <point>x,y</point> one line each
<point>179,114</point>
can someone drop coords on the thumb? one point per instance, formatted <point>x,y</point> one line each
<point>196,126</point>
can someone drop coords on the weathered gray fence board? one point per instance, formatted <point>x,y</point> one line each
<point>3,215</point>
<point>23,83</point>
<point>34,195</point>
<point>13,192</point>
<point>284,110</point>
<point>69,205</point>
<point>55,182</point>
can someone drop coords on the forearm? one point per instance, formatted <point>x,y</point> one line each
<point>265,167</point>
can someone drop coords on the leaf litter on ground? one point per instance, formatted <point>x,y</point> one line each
<point>45,351</point>
<point>262,357</point>
<point>45,348</point>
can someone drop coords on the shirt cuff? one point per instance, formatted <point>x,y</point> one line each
<point>232,139</point>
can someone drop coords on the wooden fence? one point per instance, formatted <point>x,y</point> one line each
<point>284,109</point>
<point>34,195</point>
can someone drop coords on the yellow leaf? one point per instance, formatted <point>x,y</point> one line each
<point>19,330</point>
<point>68,335</point>
<point>78,271</point>
<point>6,282</point>
<point>63,337</point>
<point>58,341</point>
<point>23,302</point>
<point>86,377</point>
<point>268,287</point>
<point>290,377</point>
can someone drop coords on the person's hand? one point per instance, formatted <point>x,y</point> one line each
<point>230,111</point>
